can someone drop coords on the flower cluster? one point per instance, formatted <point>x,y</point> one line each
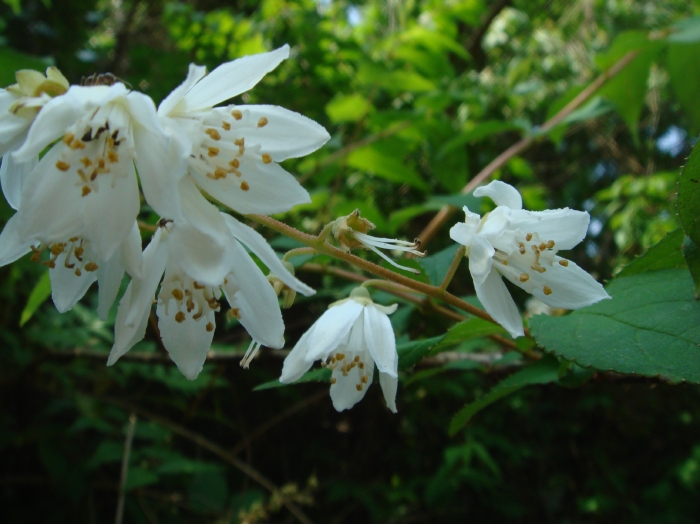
<point>76,159</point>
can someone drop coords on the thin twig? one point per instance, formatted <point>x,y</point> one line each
<point>299,251</point>
<point>459,255</point>
<point>217,450</point>
<point>444,214</point>
<point>125,468</point>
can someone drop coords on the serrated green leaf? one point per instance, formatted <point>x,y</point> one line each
<point>315,375</point>
<point>41,291</point>
<point>412,352</point>
<point>684,76</point>
<point>543,371</point>
<point>664,255</point>
<point>689,196</point>
<point>651,327</point>
<point>691,253</point>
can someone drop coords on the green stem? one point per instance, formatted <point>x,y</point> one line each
<point>459,255</point>
<point>323,247</point>
<point>299,251</point>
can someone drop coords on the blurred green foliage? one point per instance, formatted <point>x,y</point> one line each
<point>419,96</point>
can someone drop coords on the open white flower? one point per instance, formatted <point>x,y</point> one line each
<point>199,258</point>
<point>349,338</point>
<point>235,150</point>
<point>521,246</point>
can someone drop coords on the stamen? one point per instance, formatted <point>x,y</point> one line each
<point>266,158</point>
<point>177,294</point>
<point>212,151</point>
<point>547,290</point>
<point>524,277</point>
<point>62,166</point>
<point>210,327</point>
<point>86,191</point>
<point>358,387</point>
<point>543,246</point>
<point>245,186</point>
<point>364,380</point>
<point>262,122</point>
<point>250,354</point>
<point>180,317</point>
<point>340,356</point>
<point>333,380</point>
<point>213,133</point>
<point>521,248</point>
<point>226,126</point>
<point>550,244</point>
<point>564,263</point>
<point>240,142</point>
<point>91,266</point>
<point>235,163</point>
<point>528,237</point>
<point>236,114</point>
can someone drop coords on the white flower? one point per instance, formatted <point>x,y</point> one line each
<point>202,256</point>
<point>235,149</point>
<point>19,105</point>
<point>521,246</point>
<point>349,338</point>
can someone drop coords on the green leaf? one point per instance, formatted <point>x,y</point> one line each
<point>458,200</point>
<point>412,352</point>
<point>37,297</point>
<point>627,90</point>
<point>347,108</point>
<point>138,477</point>
<point>436,265</point>
<point>689,196</point>
<point>664,255</point>
<point>543,371</point>
<point>686,31</point>
<point>691,253</point>
<point>470,329</point>
<point>395,81</point>
<point>478,132</point>
<point>383,163</point>
<point>315,375</point>
<point>208,492</point>
<point>684,75</point>
<point>651,327</point>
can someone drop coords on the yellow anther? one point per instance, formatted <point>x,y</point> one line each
<point>113,157</point>
<point>101,163</point>
<point>547,290</point>
<point>62,166</point>
<point>86,162</point>
<point>528,237</point>
<point>235,163</point>
<point>357,358</point>
<point>51,264</point>
<point>358,387</point>
<point>535,249</point>
<point>340,356</point>
<point>213,133</point>
<point>177,294</point>
<point>240,142</point>
<point>504,262</point>
<point>333,380</point>
<point>361,365</point>
<point>77,144</point>
<point>524,277</point>
<point>266,158</point>
<point>68,138</point>
<point>78,272</point>
<point>564,263</point>
<point>236,114</point>
<point>333,360</point>
<point>538,268</point>
<point>180,317</point>
<point>364,380</point>
<point>233,312</point>
<point>198,315</point>
<point>197,285</point>
<point>521,248</point>
<point>550,244</point>
<point>86,191</point>
<point>212,151</point>
<point>245,186</point>
<point>219,173</point>
<point>543,246</point>
<point>226,126</point>
<point>78,252</point>
<point>210,327</point>
<point>262,122</point>
<point>91,266</point>
<point>57,249</point>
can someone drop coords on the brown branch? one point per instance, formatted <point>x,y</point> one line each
<point>214,448</point>
<point>444,214</point>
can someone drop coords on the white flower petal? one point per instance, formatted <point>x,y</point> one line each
<point>126,335</point>
<point>187,342</point>
<point>389,386</point>
<point>12,247</point>
<point>231,79</point>
<point>344,392</point>
<point>501,193</point>
<point>249,291</point>
<point>144,288</point>
<point>481,259</point>
<point>380,340</point>
<point>295,365</point>
<point>258,245</point>
<point>332,328</point>
<point>269,189</point>
<point>109,279</point>
<point>285,134</point>
<point>566,227</point>
<point>66,287</point>
<point>496,299</point>
<point>12,177</point>
<point>463,233</point>
<point>169,106</point>
<point>130,256</point>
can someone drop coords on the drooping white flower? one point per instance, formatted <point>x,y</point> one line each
<point>521,246</point>
<point>350,338</point>
<point>19,105</point>
<point>236,149</point>
<point>351,232</point>
<point>199,258</point>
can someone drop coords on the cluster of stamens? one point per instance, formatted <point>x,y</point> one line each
<point>191,298</point>
<point>74,251</point>
<point>103,153</point>
<point>346,364</point>
<point>221,151</point>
